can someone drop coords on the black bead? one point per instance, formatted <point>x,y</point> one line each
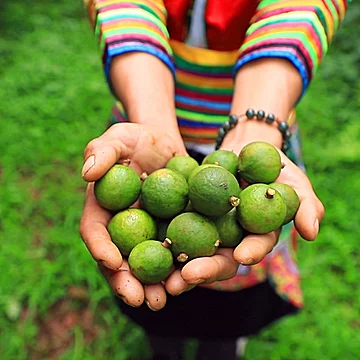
<point>219,139</point>
<point>283,127</point>
<point>221,132</point>
<point>270,118</point>
<point>260,114</point>
<point>285,146</point>
<point>226,125</point>
<point>250,113</point>
<point>233,119</point>
<point>287,135</point>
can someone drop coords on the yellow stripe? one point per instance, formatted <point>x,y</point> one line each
<point>203,82</point>
<point>205,57</point>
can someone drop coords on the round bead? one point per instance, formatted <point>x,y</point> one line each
<point>260,114</point>
<point>226,125</point>
<point>270,118</point>
<point>221,132</point>
<point>233,119</point>
<point>285,146</point>
<point>283,126</point>
<point>287,135</point>
<point>250,113</point>
<point>219,139</point>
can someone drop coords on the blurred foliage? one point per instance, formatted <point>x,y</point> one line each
<point>54,100</point>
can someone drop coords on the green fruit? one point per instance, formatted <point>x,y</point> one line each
<point>199,168</point>
<point>262,209</point>
<point>214,191</point>
<point>259,162</point>
<point>230,231</point>
<point>291,198</point>
<point>164,193</point>
<point>151,261</point>
<point>226,159</point>
<point>118,189</point>
<point>182,164</point>
<point>162,225</point>
<point>131,227</point>
<point>192,235</point>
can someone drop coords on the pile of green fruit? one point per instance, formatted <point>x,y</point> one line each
<point>187,210</point>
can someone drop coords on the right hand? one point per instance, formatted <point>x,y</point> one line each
<point>148,148</point>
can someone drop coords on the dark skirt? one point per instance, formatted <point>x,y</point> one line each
<point>205,313</point>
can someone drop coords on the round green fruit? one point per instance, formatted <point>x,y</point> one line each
<point>182,164</point>
<point>192,235</point>
<point>214,191</point>
<point>226,159</point>
<point>164,193</point>
<point>230,231</point>
<point>131,227</point>
<point>151,261</point>
<point>262,209</point>
<point>259,162</point>
<point>291,198</point>
<point>118,189</point>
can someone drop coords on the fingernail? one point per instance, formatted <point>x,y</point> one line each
<point>185,290</point>
<point>197,282</point>
<point>249,261</point>
<point>89,163</point>
<point>123,298</point>
<point>107,265</point>
<point>316,226</point>
<point>148,305</point>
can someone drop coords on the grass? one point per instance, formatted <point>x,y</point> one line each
<point>53,101</point>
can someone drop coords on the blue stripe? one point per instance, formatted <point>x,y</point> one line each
<point>203,103</point>
<point>197,124</point>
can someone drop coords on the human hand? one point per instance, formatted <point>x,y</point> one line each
<point>254,248</point>
<point>148,149</point>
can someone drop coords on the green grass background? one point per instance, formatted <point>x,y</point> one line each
<point>53,100</point>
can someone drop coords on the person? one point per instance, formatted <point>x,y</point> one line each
<point>178,69</point>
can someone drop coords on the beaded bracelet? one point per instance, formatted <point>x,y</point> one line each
<point>250,114</point>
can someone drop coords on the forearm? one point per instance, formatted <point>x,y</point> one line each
<point>270,84</point>
<point>145,86</point>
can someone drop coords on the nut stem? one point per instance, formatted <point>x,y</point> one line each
<point>166,243</point>
<point>234,201</point>
<point>143,176</point>
<point>270,192</point>
<point>126,162</point>
<point>182,257</point>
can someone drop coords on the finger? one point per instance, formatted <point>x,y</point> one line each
<point>308,217</point>
<point>253,248</point>
<point>103,152</point>
<point>155,296</point>
<point>221,266</point>
<point>95,235</point>
<point>124,285</point>
<point>176,285</point>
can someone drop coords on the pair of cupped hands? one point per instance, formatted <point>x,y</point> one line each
<point>149,148</point>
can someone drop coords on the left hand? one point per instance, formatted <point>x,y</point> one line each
<point>254,248</point>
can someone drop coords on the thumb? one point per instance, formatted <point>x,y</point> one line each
<point>101,154</point>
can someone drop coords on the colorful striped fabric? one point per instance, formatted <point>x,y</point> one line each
<point>298,30</point>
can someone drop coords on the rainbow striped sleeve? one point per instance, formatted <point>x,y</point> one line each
<point>128,26</point>
<point>297,30</point>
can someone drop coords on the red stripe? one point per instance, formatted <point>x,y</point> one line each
<point>200,109</point>
<point>204,96</point>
